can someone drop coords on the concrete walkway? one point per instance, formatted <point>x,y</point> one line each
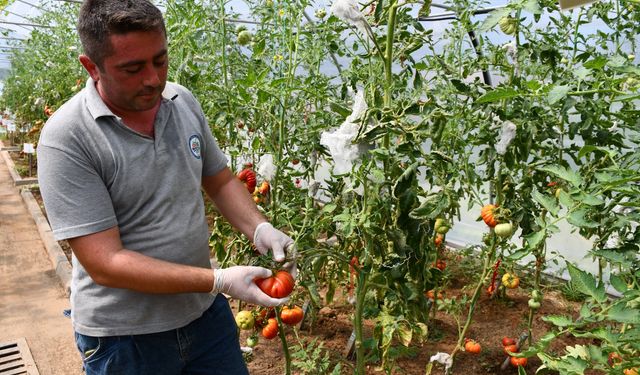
<point>32,296</point>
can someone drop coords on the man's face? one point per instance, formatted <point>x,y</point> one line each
<point>133,77</point>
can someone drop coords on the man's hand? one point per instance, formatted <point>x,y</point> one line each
<point>267,237</point>
<point>238,282</point>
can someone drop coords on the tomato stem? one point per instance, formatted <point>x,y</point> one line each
<point>283,339</point>
<point>361,292</point>
<point>486,269</point>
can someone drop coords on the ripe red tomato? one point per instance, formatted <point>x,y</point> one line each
<point>513,348</point>
<point>430,294</point>
<point>472,347</point>
<point>279,285</point>
<point>271,329</point>
<point>438,240</point>
<point>614,359</point>
<point>248,178</point>
<point>491,289</point>
<point>516,361</point>
<point>264,188</point>
<point>630,371</point>
<point>506,341</point>
<point>439,264</point>
<point>262,317</point>
<point>488,216</point>
<point>291,316</point>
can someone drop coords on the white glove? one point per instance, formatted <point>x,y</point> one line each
<point>238,282</point>
<point>267,237</point>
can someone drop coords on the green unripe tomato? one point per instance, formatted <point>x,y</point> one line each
<point>504,230</point>
<point>441,226</point>
<point>443,229</point>
<point>533,304</point>
<point>245,320</point>
<point>244,37</point>
<point>535,295</point>
<point>508,25</point>
<point>252,341</point>
<point>240,28</point>
<point>321,13</point>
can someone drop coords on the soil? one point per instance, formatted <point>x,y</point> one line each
<point>21,161</point>
<point>492,320</point>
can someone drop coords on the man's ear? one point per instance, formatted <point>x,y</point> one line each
<point>90,67</point>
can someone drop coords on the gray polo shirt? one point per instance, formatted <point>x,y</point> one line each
<point>96,173</point>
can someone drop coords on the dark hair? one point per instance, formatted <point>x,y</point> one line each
<point>99,19</point>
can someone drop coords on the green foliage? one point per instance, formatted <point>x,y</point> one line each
<point>44,69</point>
<point>313,359</point>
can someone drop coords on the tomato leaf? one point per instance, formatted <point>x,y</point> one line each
<point>566,174</point>
<point>339,109</point>
<point>405,334</point>
<point>565,199</point>
<point>599,333</point>
<point>547,202</point>
<point>558,320</point>
<point>579,219</point>
<point>405,181</point>
<point>611,256</point>
<point>585,283</point>
<point>620,312</point>
<point>534,239</point>
<point>493,19</point>
<point>498,94</point>
<point>618,283</point>
<point>532,6</point>
<point>431,207</point>
<point>591,148</point>
<point>557,93</point>
<point>518,254</point>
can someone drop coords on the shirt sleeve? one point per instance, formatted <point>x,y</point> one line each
<point>76,199</point>
<point>214,160</point>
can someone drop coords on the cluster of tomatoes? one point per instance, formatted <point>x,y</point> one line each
<point>510,347</point>
<point>497,218</point>
<point>248,177</point>
<point>263,320</point>
<point>441,227</point>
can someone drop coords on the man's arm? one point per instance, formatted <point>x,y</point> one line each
<point>233,201</point>
<point>111,265</point>
<point>235,204</point>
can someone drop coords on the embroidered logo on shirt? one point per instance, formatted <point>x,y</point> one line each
<point>195,145</point>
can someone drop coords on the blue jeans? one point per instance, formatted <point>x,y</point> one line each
<point>208,345</point>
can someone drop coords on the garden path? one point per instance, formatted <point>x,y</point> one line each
<point>31,296</point>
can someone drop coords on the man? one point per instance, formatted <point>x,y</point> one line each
<point>121,166</point>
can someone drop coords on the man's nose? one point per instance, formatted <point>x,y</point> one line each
<point>151,77</point>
